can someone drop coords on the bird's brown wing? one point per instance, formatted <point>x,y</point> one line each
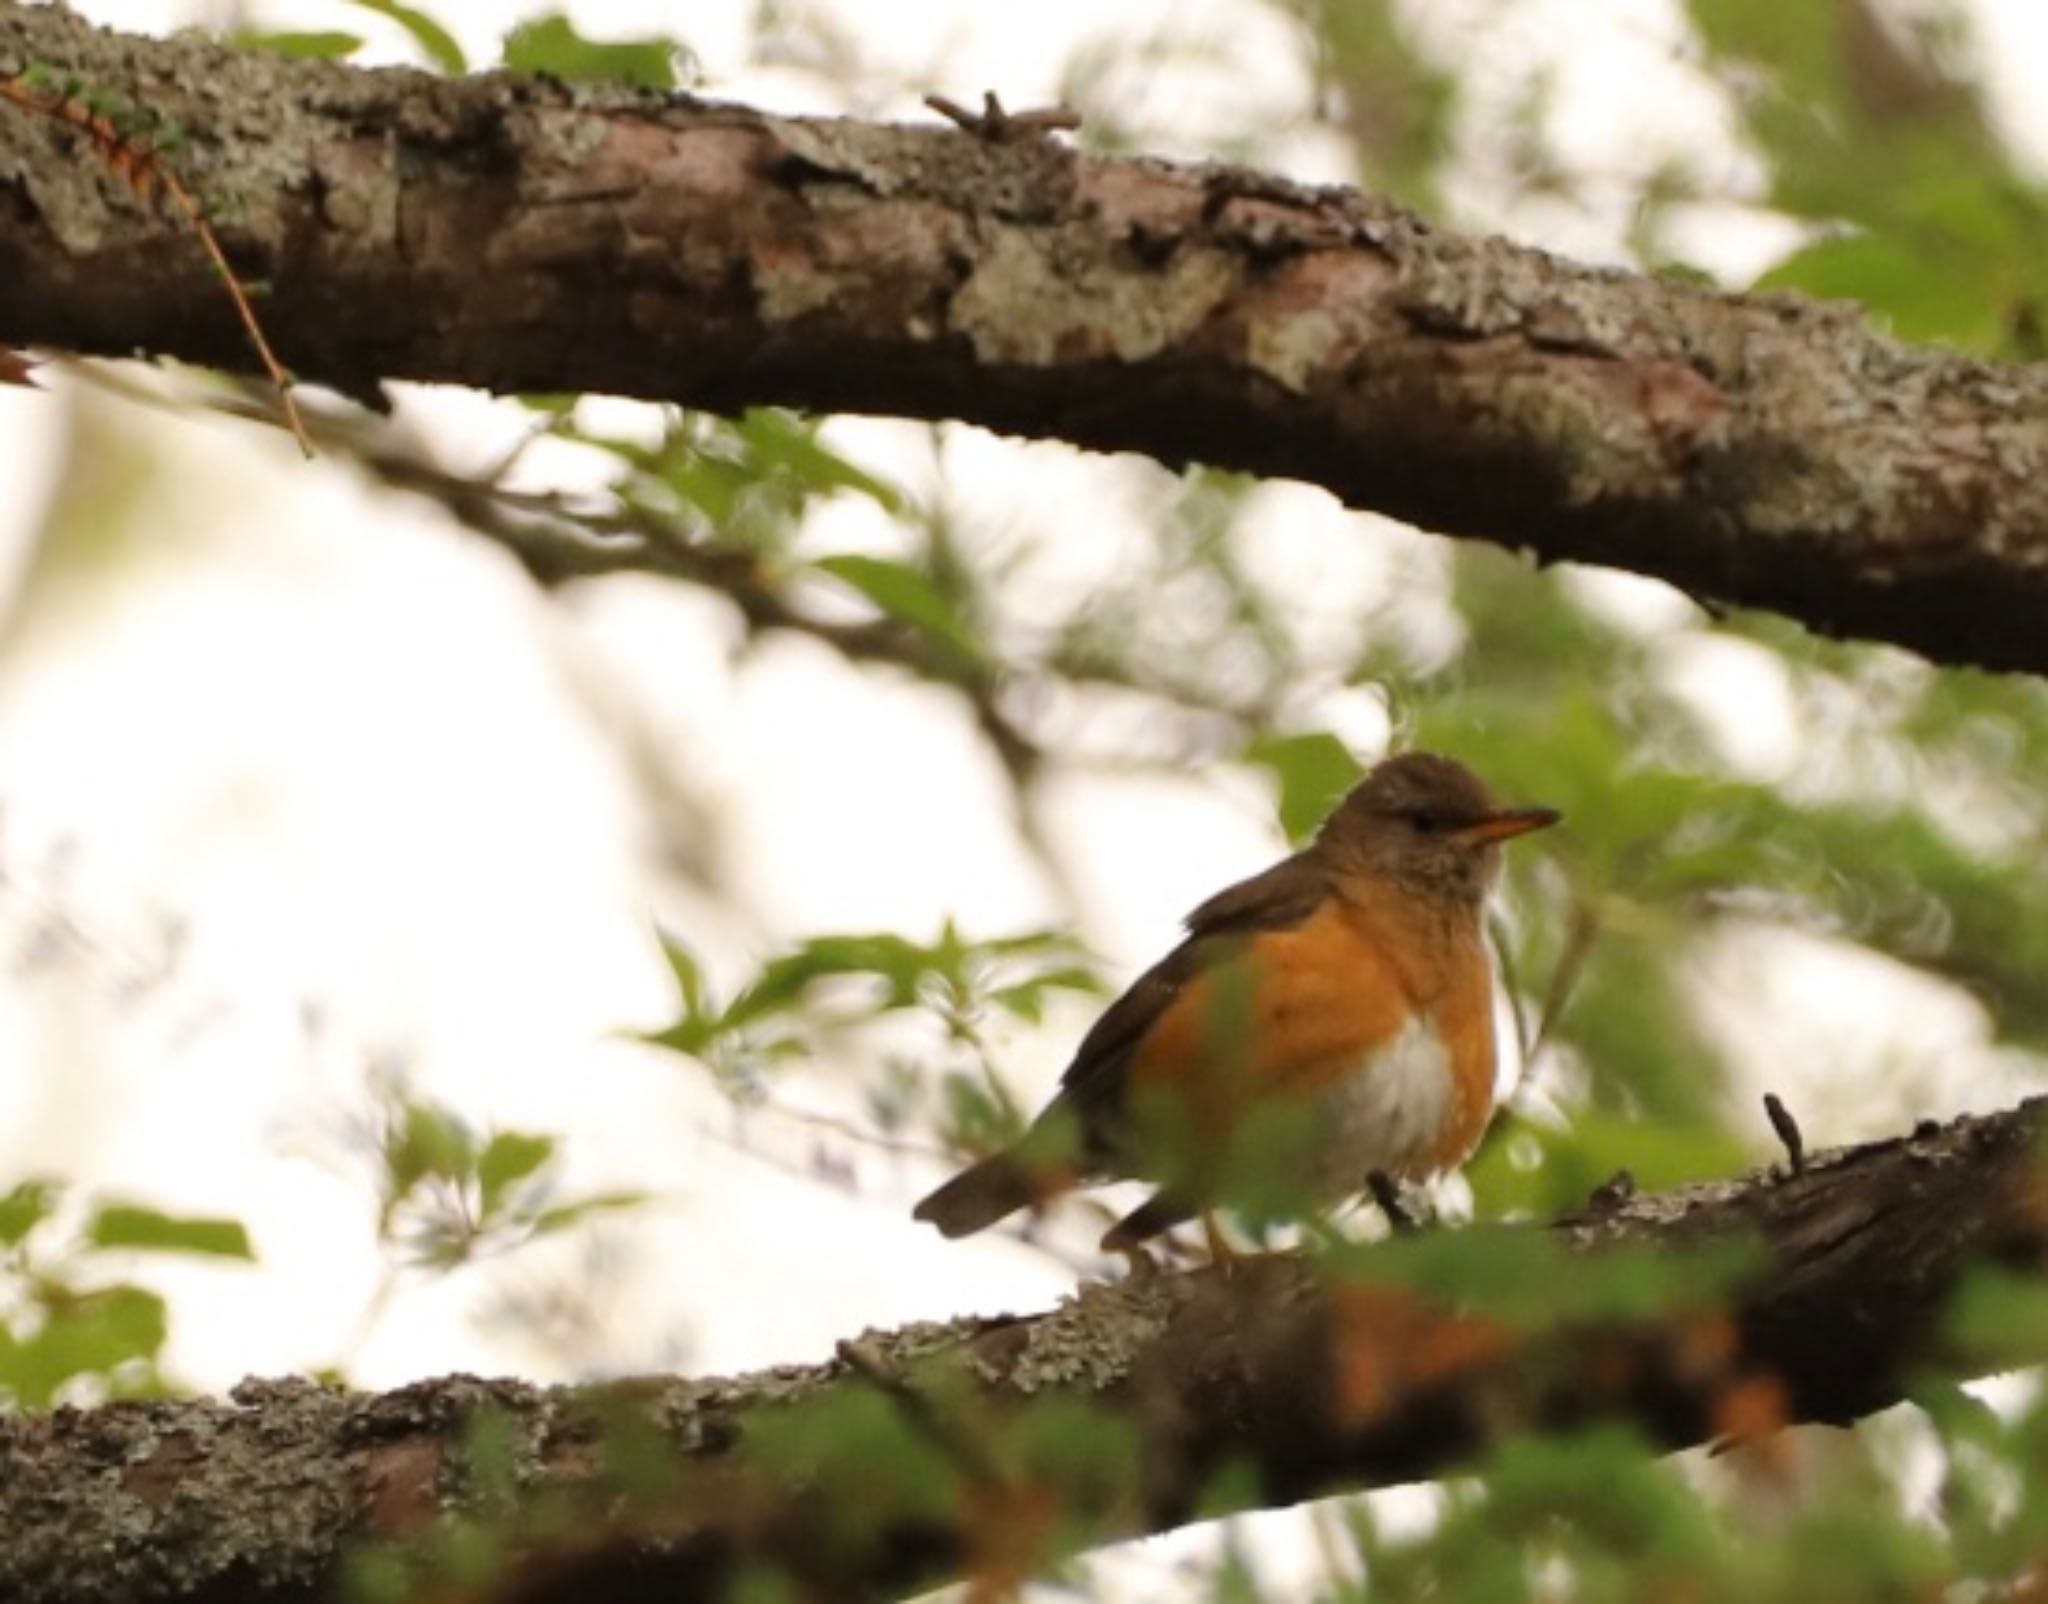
<point>1081,1132</point>
<point>1095,1083</point>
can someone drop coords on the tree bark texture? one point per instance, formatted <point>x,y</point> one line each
<point>1259,1384</point>
<point>516,234</point>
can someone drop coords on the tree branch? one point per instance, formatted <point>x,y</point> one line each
<point>520,235</point>
<point>926,1452</point>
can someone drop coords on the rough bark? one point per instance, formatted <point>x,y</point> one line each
<point>1271,1382</point>
<point>519,235</point>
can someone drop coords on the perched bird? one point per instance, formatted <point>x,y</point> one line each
<point>1327,1019</point>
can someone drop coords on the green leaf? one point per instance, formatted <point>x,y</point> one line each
<point>907,595</point>
<point>1314,772</point>
<point>508,1158</point>
<point>1088,1450</point>
<point>1541,1170</point>
<point>2000,1317</point>
<point>300,46</point>
<point>435,41</point>
<point>688,972</point>
<point>563,1216</point>
<point>23,1209</point>
<point>700,1023</point>
<point>1598,1486</point>
<point>427,1141</point>
<point>552,45</point>
<point>976,1120</point>
<point>750,479</point>
<point>1797,43</point>
<point>91,1334</point>
<point>1526,1277</point>
<point>1373,54</point>
<point>859,1451</point>
<point>1026,999</point>
<point>781,986</point>
<point>955,977</point>
<point>132,1225</point>
<point>778,439</point>
<point>1920,295</point>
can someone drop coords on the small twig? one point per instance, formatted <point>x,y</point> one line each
<point>859,1135</point>
<point>369,1317</point>
<point>1000,127</point>
<point>148,175</point>
<point>1788,1132</point>
<point>1078,1264</point>
<point>1386,1192</point>
<point>559,538</point>
<point>1583,931</point>
<point>1613,1192</point>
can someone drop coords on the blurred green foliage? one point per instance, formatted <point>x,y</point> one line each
<point>450,1194</point>
<point>1396,104</point>
<point>742,483</point>
<point>434,41</point>
<point>329,46</point>
<point>1311,774</point>
<point>824,986</point>
<point>1595,1518</point>
<point>73,1327</point>
<point>1529,1280</point>
<point>551,44</point>
<point>1948,246</point>
<point>1909,825</point>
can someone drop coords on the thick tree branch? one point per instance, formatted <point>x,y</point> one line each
<point>518,235</point>
<point>923,1452</point>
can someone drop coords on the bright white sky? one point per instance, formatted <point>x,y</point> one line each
<point>371,767</point>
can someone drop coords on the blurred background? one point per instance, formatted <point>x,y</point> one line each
<point>543,888</point>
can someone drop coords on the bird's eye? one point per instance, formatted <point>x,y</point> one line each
<point>1427,820</point>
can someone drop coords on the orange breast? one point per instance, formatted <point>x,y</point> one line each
<point>1304,1013</point>
<point>1465,1017</point>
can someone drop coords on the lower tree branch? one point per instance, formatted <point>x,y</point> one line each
<point>990,1447</point>
<point>515,234</point>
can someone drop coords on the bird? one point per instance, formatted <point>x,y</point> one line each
<point>1336,1008</point>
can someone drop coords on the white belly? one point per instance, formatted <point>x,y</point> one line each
<point>1389,1116</point>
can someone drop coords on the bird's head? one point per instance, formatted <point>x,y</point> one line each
<point>1429,825</point>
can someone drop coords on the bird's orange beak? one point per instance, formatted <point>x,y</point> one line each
<point>1507,823</point>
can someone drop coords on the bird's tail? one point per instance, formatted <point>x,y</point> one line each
<point>982,1194</point>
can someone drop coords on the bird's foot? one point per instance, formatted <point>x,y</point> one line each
<point>1401,1216</point>
<point>1221,1253</point>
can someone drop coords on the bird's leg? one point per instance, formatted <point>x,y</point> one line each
<point>1220,1250</point>
<point>1386,1192</point>
<point>1142,1265</point>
